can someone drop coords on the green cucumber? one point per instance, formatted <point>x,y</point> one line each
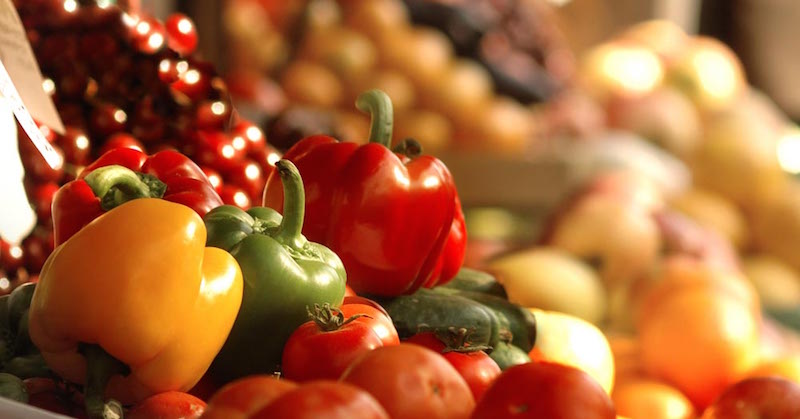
<point>521,322</point>
<point>507,355</point>
<point>12,387</point>
<point>478,281</point>
<point>430,311</point>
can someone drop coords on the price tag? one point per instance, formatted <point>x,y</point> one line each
<point>21,83</point>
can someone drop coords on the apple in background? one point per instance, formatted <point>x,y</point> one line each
<point>610,222</point>
<point>682,236</point>
<point>715,212</point>
<point>754,398</point>
<point>544,390</point>
<point>665,116</point>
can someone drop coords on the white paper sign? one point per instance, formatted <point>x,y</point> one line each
<point>21,83</point>
<point>17,218</point>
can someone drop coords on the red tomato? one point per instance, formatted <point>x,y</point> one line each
<point>374,316</point>
<point>168,405</point>
<point>545,390</point>
<point>324,399</point>
<point>476,368</point>
<point>246,396</point>
<point>323,348</point>
<point>412,382</point>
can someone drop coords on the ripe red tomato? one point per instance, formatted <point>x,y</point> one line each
<point>323,399</point>
<point>168,405</point>
<point>373,315</point>
<point>181,33</point>
<point>323,348</point>
<point>759,397</point>
<point>545,390</point>
<point>476,367</point>
<point>246,396</point>
<point>412,382</point>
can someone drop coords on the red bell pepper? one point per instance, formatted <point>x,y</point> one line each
<point>106,183</point>
<point>452,257</point>
<point>387,214</point>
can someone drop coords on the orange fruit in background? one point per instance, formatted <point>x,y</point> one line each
<point>787,367</point>
<point>699,339</point>
<point>644,398</point>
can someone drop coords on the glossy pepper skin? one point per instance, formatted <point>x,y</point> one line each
<point>452,257</point>
<point>167,174</point>
<point>139,291</point>
<point>386,214</point>
<point>283,274</point>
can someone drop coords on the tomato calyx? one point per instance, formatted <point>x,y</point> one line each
<point>328,318</point>
<point>459,340</point>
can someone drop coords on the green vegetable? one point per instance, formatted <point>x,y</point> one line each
<point>478,281</point>
<point>521,322</point>
<point>19,301</point>
<point>507,355</point>
<point>27,366</point>
<point>430,311</point>
<point>283,274</point>
<point>12,387</point>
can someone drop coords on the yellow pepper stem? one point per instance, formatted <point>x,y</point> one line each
<point>100,366</point>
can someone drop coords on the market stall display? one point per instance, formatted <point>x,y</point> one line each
<point>183,267</point>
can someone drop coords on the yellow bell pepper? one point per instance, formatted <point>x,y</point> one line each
<point>134,304</point>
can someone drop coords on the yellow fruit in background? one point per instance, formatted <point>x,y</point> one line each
<point>432,130</point>
<point>661,36</point>
<point>709,72</point>
<point>376,18</point>
<point>776,225</point>
<point>551,279</point>
<point>738,158</point>
<point>312,84</point>
<point>787,367</point>
<point>462,92</point>
<point>569,340</point>
<point>714,212</point>
<point>644,398</point>
<point>349,54</point>
<point>777,284</point>
<point>399,88</point>
<point>621,68</point>
<point>422,54</point>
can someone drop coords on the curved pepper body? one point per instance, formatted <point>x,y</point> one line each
<point>386,216</point>
<point>283,275</point>
<point>139,282</point>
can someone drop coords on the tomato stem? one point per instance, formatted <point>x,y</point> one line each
<point>330,318</point>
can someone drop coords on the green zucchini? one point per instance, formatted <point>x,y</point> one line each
<point>521,322</point>
<point>507,355</point>
<point>478,281</point>
<point>430,311</point>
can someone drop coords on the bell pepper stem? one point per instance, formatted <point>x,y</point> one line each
<point>116,185</point>
<point>294,206</point>
<point>379,106</point>
<point>100,366</point>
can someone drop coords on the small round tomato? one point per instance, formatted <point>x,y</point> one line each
<point>328,399</point>
<point>168,405</point>
<point>475,367</point>
<point>545,390</point>
<point>412,382</point>
<point>322,348</point>
<point>246,396</point>
<point>373,315</point>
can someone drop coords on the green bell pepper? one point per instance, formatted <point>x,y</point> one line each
<point>283,274</point>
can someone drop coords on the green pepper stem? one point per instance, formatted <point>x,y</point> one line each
<point>100,367</point>
<point>294,206</point>
<point>379,106</point>
<point>116,185</point>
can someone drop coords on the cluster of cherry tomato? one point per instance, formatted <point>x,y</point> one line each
<point>123,78</point>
